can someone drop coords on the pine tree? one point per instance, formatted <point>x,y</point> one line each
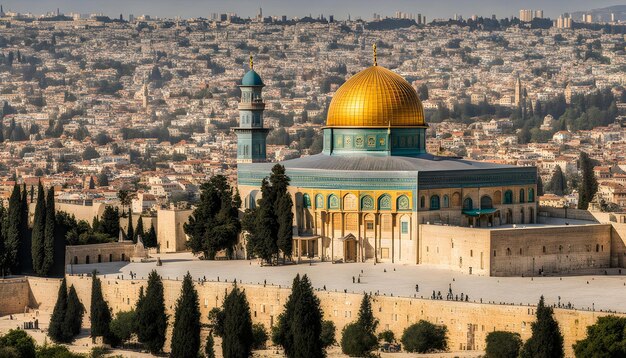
<point>186,333</point>
<point>50,235</point>
<point>100,312</point>
<point>284,216</point>
<point>38,237</point>
<point>139,231</point>
<point>546,340</point>
<point>13,234</point>
<point>25,258</point>
<point>588,183</point>
<point>92,184</point>
<point>209,347</point>
<point>151,237</point>
<point>110,222</point>
<point>307,323</point>
<point>539,185</point>
<point>557,184</point>
<point>358,338</point>
<point>73,315</point>
<point>3,243</point>
<point>55,330</point>
<point>103,179</point>
<point>130,233</point>
<point>151,317</point>
<point>237,325</point>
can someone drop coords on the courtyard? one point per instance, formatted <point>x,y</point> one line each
<point>597,291</point>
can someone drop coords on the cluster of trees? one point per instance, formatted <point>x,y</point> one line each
<point>269,224</point>
<point>40,250</point>
<point>67,316</point>
<point>214,224</point>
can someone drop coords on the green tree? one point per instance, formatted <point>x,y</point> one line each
<point>90,153</point>
<point>259,336</point>
<point>25,257</point>
<point>422,92</point>
<point>424,337</point>
<point>13,232</point>
<point>100,313</point>
<point>214,224</point>
<point>588,184</point>
<point>186,333</point>
<point>283,209</point>
<point>50,235</point>
<point>4,264</point>
<point>327,336</point>
<point>130,232</point>
<point>237,335</point>
<point>56,351</point>
<point>209,347</point>
<point>123,326</point>
<point>103,179</point>
<point>73,321</point>
<point>39,225</point>
<point>151,317</point>
<point>605,338</point>
<point>282,333</point>
<point>139,230</point>
<point>502,344</point>
<point>557,184</point>
<point>20,341</point>
<point>546,340</point>
<point>358,338</point>
<point>110,222</point>
<point>57,320</point>
<point>151,238</point>
<point>307,323</point>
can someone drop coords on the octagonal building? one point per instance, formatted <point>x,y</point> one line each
<point>366,197</point>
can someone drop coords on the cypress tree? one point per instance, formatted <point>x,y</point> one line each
<point>186,334</point>
<point>130,233</point>
<point>209,347</point>
<point>237,338</point>
<point>151,317</point>
<point>55,330</point>
<point>266,225</point>
<point>151,238</point>
<point>358,338</point>
<point>557,184</point>
<point>139,231</point>
<point>588,183</point>
<point>49,243</point>
<point>39,224</point>
<point>26,263</point>
<point>3,243</point>
<point>100,313</point>
<point>110,222</point>
<point>282,334</point>
<point>284,215</point>
<point>546,340</point>
<point>13,234</point>
<point>73,315</point>
<point>307,323</point>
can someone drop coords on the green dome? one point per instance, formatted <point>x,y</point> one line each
<point>252,79</point>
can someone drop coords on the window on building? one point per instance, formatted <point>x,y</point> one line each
<point>405,227</point>
<point>369,225</point>
<point>531,195</point>
<point>422,202</point>
<point>446,201</point>
<point>434,202</point>
<point>468,204</point>
<point>521,196</point>
<point>508,197</point>
<point>486,202</point>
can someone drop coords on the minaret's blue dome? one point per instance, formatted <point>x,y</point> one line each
<point>252,79</point>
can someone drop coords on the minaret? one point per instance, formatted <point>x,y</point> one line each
<point>251,135</point>
<point>144,94</point>
<point>518,91</point>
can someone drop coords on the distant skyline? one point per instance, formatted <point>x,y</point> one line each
<point>300,8</point>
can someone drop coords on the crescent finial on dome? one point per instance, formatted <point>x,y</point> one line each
<point>375,55</point>
<point>251,62</point>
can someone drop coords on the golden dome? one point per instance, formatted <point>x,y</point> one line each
<point>375,97</point>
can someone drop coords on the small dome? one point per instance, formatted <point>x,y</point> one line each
<point>375,97</point>
<point>252,79</point>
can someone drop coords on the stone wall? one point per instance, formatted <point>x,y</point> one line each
<point>170,234</point>
<point>468,323</point>
<point>13,295</point>
<point>107,252</point>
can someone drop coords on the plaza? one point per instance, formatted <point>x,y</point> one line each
<point>582,291</point>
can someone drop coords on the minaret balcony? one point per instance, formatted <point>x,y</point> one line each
<point>252,105</point>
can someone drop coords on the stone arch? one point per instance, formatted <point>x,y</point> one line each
<point>486,202</point>
<point>384,202</point>
<point>497,197</point>
<point>350,202</point>
<point>522,198</point>
<point>468,203</point>
<point>456,199</point>
<point>422,202</point>
<point>405,225</point>
<point>531,195</point>
<point>446,201</point>
<point>367,203</point>
<point>403,203</point>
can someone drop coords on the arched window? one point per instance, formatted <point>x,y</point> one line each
<point>384,202</point>
<point>319,201</point>
<point>468,204</point>
<point>521,196</point>
<point>306,201</point>
<point>422,202</point>
<point>434,202</point>
<point>486,202</point>
<point>446,201</point>
<point>531,195</point>
<point>508,197</point>
<point>367,203</point>
<point>403,203</point>
<point>333,202</point>
<point>508,251</point>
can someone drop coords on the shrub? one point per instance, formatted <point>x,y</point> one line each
<point>386,336</point>
<point>502,344</point>
<point>328,334</point>
<point>356,341</point>
<point>20,341</point>
<point>123,326</point>
<point>424,337</point>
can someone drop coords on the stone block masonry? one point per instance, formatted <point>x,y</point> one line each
<point>468,323</point>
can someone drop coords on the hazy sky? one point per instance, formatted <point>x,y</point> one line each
<point>340,8</point>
